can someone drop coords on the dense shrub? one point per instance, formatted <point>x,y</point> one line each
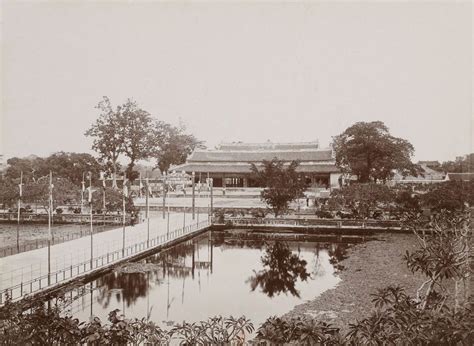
<point>46,326</point>
<point>298,331</point>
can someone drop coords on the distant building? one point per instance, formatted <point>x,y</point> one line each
<point>229,164</point>
<point>430,164</point>
<point>460,176</point>
<point>428,176</point>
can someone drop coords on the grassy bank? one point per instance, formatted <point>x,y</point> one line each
<point>369,266</point>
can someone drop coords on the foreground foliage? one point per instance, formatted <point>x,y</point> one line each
<point>46,326</point>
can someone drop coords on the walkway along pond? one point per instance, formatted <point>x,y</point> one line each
<point>27,273</point>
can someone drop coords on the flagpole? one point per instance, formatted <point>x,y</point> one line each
<point>212,197</point>
<point>147,214</point>
<point>164,195</point>
<point>82,194</point>
<point>92,229</point>
<point>140,184</point>
<point>18,219</point>
<point>123,214</point>
<point>199,190</point>
<point>193,196</point>
<point>49,224</point>
<point>199,196</point>
<point>168,223</point>
<point>103,198</point>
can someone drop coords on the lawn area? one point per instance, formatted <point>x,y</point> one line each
<point>369,266</point>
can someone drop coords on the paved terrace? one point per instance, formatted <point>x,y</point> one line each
<point>27,272</point>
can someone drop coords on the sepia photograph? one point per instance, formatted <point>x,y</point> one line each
<point>236,172</point>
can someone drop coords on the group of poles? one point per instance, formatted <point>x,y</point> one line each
<point>124,197</point>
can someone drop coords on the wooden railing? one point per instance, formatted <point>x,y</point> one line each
<point>65,218</point>
<point>332,223</point>
<point>74,270</point>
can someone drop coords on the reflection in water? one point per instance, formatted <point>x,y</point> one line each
<point>337,253</point>
<point>209,276</point>
<point>281,270</point>
<point>126,287</point>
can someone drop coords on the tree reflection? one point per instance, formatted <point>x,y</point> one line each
<point>126,286</point>
<point>281,271</point>
<point>337,253</point>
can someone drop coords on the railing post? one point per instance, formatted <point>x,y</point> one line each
<point>193,195</point>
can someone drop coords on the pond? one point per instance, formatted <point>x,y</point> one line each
<point>216,274</point>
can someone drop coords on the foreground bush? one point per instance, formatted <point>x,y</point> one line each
<point>46,326</point>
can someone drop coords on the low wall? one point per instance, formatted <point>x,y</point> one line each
<point>97,219</point>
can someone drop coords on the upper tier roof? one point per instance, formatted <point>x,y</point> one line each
<point>239,146</point>
<point>259,155</point>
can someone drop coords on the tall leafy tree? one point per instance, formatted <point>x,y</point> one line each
<point>138,135</point>
<point>130,131</point>
<point>174,145</point>
<point>369,151</point>
<point>107,136</point>
<point>282,184</point>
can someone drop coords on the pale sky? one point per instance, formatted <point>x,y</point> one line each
<point>242,71</point>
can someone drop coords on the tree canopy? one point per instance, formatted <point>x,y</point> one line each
<point>282,183</point>
<point>64,192</point>
<point>370,152</point>
<point>107,136</point>
<point>66,165</point>
<point>174,145</point>
<point>138,135</point>
<point>130,131</point>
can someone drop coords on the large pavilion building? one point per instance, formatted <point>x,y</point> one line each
<point>230,163</point>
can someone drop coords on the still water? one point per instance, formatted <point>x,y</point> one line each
<point>218,274</point>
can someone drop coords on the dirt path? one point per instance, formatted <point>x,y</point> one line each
<point>372,265</point>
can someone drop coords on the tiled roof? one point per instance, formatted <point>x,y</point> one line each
<point>268,146</point>
<point>259,155</point>
<point>245,168</point>
<point>429,163</point>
